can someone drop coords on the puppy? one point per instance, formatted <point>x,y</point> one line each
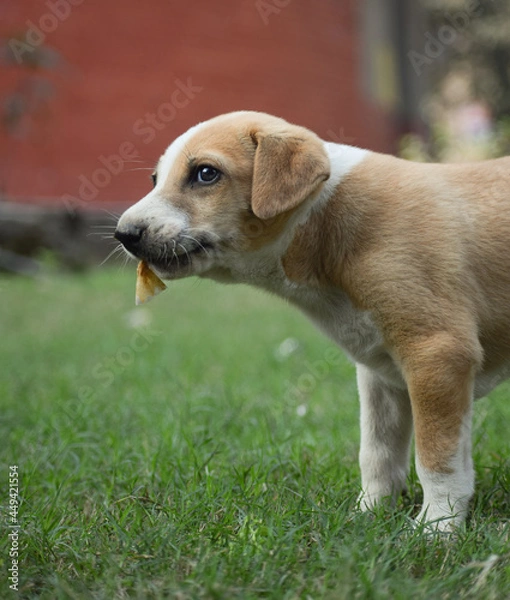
<point>406,266</point>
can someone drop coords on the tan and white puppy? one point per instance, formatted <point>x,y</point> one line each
<point>405,265</point>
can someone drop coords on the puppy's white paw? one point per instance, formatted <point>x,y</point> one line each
<point>369,499</point>
<point>442,519</point>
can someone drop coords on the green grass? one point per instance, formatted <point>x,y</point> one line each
<point>194,462</point>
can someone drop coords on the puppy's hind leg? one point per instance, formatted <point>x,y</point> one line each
<point>440,376</point>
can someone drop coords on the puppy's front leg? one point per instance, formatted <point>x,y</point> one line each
<point>386,427</point>
<point>440,381</point>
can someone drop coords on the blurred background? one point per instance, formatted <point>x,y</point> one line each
<point>92,93</point>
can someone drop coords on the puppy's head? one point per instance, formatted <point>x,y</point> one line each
<point>225,187</point>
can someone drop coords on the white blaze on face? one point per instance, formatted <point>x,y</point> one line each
<point>155,208</point>
<point>172,153</point>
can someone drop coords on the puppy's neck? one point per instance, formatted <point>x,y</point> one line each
<point>343,159</point>
<point>319,244</point>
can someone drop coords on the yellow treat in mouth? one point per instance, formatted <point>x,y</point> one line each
<point>148,284</point>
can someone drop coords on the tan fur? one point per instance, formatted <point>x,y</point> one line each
<point>422,280</point>
<point>438,285</point>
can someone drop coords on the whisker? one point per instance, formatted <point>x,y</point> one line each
<point>209,233</point>
<point>187,254</point>
<point>102,234</point>
<point>140,169</point>
<point>161,254</point>
<point>133,160</point>
<point>198,281</point>
<point>117,249</point>
<point>122,266</point>
<point>187,153</point>
<point>113,215</point>
<point>189,237</point>
<point>176,255</point>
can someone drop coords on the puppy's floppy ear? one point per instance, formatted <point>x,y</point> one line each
<point>289,166</point>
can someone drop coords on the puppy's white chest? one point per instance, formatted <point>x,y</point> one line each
<point>354,331</point>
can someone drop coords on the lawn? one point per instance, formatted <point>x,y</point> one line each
<point>205,446</point>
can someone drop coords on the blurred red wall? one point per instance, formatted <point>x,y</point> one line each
<point>134,75</point>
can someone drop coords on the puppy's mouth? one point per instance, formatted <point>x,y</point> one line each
<point>177,257</point>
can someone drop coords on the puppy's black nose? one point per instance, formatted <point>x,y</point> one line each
<point>129,236</point>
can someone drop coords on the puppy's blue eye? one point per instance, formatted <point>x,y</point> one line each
<point>207,175</point>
